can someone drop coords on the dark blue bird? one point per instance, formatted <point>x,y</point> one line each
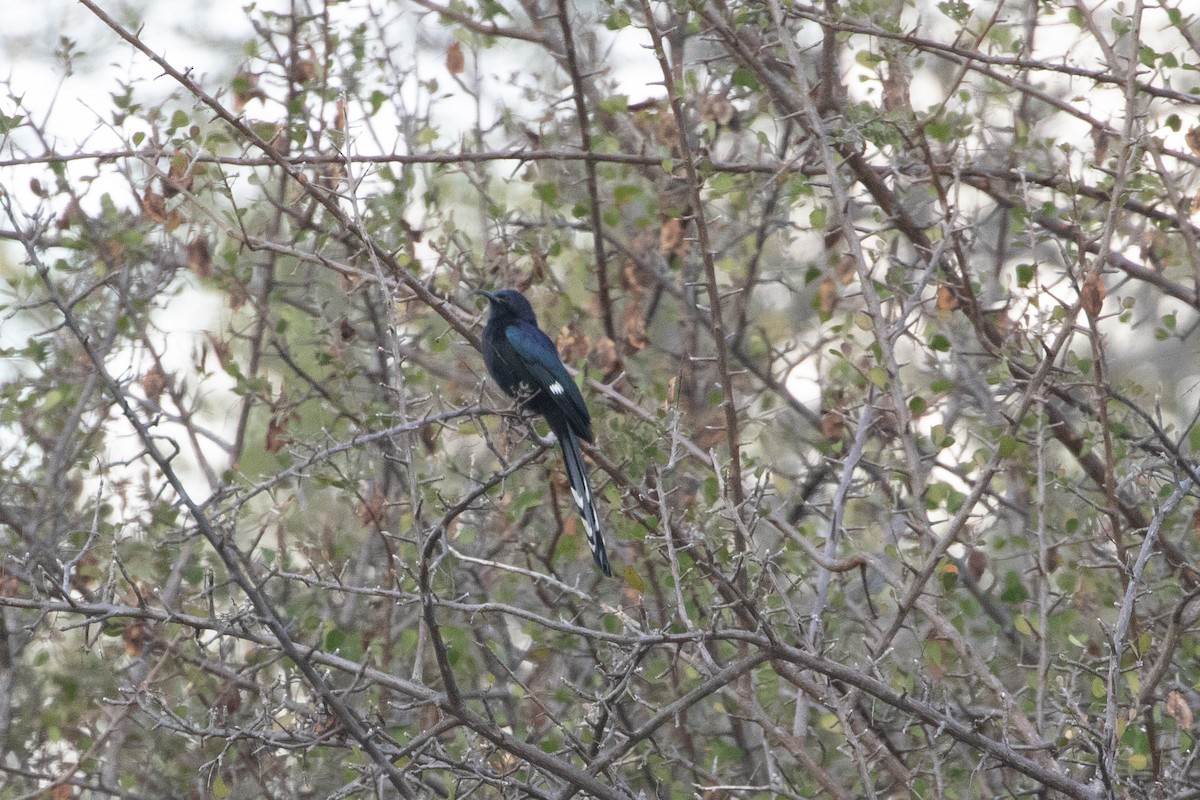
<point>525,363</point>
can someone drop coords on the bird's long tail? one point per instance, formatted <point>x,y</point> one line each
<point>581,492</point>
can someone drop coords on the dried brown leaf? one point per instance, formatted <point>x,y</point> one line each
<point>711,434</point>
<point>1092,295</point>
<point>327,726</point>
<point>718,109</point>
<point>199,259</point>
<point>827,295</point>
<point>429,437</point>
<point>245,89</point>
<point>977,562</point>
<point>455,61</point>
<point>333,174</point>
<point>633,328</point>
<point>573,344</point>
<point>633,323</point>
<point>302,70</point>
<point>10,586</point>
<point>220,348</point>
<point>228,702</point>
<point>1179,710</point>
<point>833,426</point>
<point>1100,143</point>
<point>671,240</point>
<point>1192,139</point>
<point>135,637</point>
<point>604,360</point>
<point>1001,322</point>
<point>946,299</point>
<point>72,215</point>
<point>277,432</point>
<point>113,252</point>
<point>895,91</point>
<point>154,382</point>
<point>154,206</point>
<point>847,269</point>
<point>179,178</point>
<point>370,511</point>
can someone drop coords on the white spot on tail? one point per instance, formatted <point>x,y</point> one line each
<point>557,389</point>
<point>585,515</point>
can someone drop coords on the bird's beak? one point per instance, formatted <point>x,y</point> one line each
<point>491,297</point>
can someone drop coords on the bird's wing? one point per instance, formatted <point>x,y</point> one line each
<point>546,375</point>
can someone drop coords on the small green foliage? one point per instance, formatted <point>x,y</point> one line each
<point>617,20</point>
<point>1014,590</point>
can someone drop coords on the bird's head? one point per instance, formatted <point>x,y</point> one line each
<point>509,303</point>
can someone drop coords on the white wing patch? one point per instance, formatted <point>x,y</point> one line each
<point>557,389</point>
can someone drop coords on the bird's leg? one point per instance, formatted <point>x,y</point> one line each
<point>530,418</point>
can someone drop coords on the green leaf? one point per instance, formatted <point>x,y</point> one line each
<point>721,183</point>
<point>547,193</point>
<point>1014,588</point>
<point>948,576</point>
<point>8,124</point>
<point>957,10</point>
<point>426,136</point>
<point>745,79</point>
<point>869,58</point>
<point>377,100</point>
<point>615,104</point>
<point>625,192</point>
<point>938,131</point>
<point>617,20</point>
<point>634,580</point>
<point>1008,445</point>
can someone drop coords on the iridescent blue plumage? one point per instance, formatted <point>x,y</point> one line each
<point>525,363</point>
